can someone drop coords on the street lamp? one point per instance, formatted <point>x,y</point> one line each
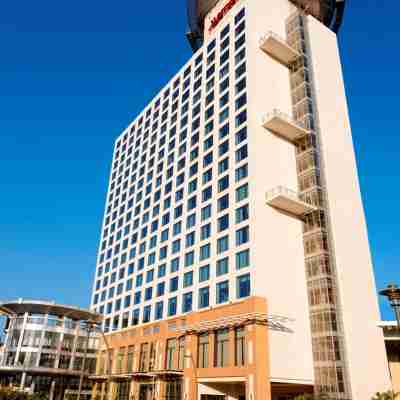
<point>392,292</point>
<point>90,326</point>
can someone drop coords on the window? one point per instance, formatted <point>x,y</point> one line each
<point>243,286</point>
<point>206,213</point>
<point>241,172</point>
<point>159,310</point>
<point>148,294</point>
<point>161,289</point>
<point>223,148</point>
<point>204,297</point>
<point>208,143</point>
<point>222,292</point>
<point>241,135</point>
<point>240,56</point>
<point>241,153</point>
<point>224,131</point>
<point>170,356</point>
<point>207,194</point>
<point>240,85</point>
<point>172,306</point>
<point>223,165</point>
<point>239,42</point>
<point>174,265</point>
<point>192,186</point>
<point>223,223</point>
<point>208,159</point>
<point>136,298</point>
<point>222,266</point>
<point>241,118</point>
<point>242,214</point>
<point>191,221</point>
<point>242,259</point>
<point>223,203</point>
<point>146,314</point>
<point>204,273</point>
<point>176,246</point>
<point>135,317</point>
<point>189,259</point>
<point>181,352</point>
<point>190,239</point>
<point>187,302</point>
<point>224,32</point>
<point>205,252</point>
<point>222,348</point>
<point>203,351</point>
<point>207,176</point>
<point>173,284</point>
<point>223,183</point>
<point>161,271</point>
<point>191,204</point>
<point>242,192</point>
<point>240,347</point>
<point>222,244</point>
<point>223,115</point>
<point>188,279</point>
<point>241,101</point>
<point>224,100</point>
<point>240,15</point>
<point>177,229</point>
<point>242,236</point>
<point>205,231</point>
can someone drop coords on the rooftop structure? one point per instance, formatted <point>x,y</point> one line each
<point>329,12</point>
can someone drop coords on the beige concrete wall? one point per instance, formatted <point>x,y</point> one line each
<point>395,374</point>
<point>277,251</point>
<point>364,340</point>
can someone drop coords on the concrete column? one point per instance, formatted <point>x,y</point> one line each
<point>232,350</point>
<point>23,379</point>
<point>52,389</point>
<point>211,347</point>
<point>190,368</point>
<point>258,386</point>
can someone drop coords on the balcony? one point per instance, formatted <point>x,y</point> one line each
<point>288,200</point>
<point>283,125</point>
<point>277,48</point>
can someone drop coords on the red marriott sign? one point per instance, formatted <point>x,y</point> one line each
<point>225,9</point>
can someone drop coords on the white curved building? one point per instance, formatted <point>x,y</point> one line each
<point>47,348</point>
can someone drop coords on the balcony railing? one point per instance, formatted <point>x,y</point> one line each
<point>277,48</point>
<point>283,125</point>
<point>288,200</point>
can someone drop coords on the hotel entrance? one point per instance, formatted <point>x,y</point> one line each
<point>212,397</point>
<point>146,392</point>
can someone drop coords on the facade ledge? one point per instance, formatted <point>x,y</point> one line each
<point>137,374</point>
<point>277,48</point>
<point>288,200</point>
<point>283,125</point>
<point>41,370</point>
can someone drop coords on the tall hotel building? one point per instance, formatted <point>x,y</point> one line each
<point>234,258</point>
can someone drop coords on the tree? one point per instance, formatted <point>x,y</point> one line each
<point>312,396</point>
<point>11,394</point>
<point>389,395</point>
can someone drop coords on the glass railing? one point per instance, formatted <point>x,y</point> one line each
<point>283,191</point>
<point>275,113</point>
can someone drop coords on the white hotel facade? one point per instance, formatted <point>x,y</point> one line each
<point>237,182</point>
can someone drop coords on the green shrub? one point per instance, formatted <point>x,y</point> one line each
<point>11,394</point>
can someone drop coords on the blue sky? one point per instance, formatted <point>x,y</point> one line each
<point>73,74</point>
